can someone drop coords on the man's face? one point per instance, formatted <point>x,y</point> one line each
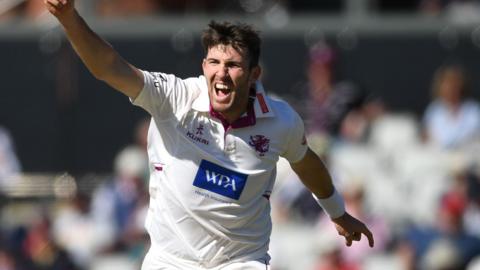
<point>229,79</point>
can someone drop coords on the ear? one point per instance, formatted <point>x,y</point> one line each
<point>204,62</point>
<point>255,74</point>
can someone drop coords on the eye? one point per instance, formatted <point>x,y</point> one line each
<point>213,61</point>
<point>234,65</point>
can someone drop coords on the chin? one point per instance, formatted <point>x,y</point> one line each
<point>220,108</point>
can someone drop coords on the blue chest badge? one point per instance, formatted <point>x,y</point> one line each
<point>220,180</point>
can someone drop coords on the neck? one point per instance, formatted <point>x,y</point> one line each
<point>238,119</point>
<point>231,117</point>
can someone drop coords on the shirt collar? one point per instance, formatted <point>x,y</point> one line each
<point>261,105</point>
<point>247,119</point>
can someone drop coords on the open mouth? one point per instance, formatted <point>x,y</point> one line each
<point>222,90</point>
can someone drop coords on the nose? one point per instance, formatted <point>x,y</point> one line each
<point>222,71</point>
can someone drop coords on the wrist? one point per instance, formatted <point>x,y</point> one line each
<point>334,205</point>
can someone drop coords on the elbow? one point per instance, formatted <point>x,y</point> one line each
<point>102,70</point>
<point>99,74</point>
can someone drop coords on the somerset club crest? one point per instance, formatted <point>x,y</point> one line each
<point>260,143</point>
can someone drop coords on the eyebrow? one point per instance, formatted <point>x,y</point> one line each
<point>226,61</point>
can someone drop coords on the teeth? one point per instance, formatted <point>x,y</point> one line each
<point>221,86</point>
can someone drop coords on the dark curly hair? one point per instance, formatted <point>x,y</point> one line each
<point>242,37</point>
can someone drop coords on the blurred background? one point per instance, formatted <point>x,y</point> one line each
<point>389,91</point>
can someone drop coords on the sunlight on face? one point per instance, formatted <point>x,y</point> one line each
<point>229,79</point>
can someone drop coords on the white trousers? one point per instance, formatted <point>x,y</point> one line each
<point>161,261</point>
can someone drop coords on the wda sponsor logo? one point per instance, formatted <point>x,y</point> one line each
<point>220,180</point>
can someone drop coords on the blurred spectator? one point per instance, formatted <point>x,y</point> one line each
<point>463,12</point>
<point>334,110</point>
<point>451,119</point>
<point>154,7</point>
<point>329,100</point>
<point>119,8</point>
<point>121,202</point>
<point>456,11</point>
<point>117,199</point>
<point>30,246</point>
<point>12,249</point>
<point>9,164</point>
<point>466,12</point>
<point>357,123</point>
<point>75,230</point>
<point>433,7</point>
<point>333,260</point>
<point>148,7</point>
<point>43,251</point>
<point>30,9</point>
<point>472,213</point>
<point>7,261</point>
<point>445,245</point>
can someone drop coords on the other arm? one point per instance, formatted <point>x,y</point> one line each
<point>315,176</point>
<point>99,56</point>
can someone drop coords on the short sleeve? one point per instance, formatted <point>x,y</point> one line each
<point>165,96</point>
<point>296,142</point>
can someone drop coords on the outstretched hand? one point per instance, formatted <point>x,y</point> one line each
<point>60,8</point>
<point>352,229</point>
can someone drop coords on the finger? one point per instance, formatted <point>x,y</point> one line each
<point>49,3</point>
<point>50,7</point>
<point>339,229</point>
<point>55,3</point>
<point>356,236</point>
<point>348,241</point>
<point>369,235</point>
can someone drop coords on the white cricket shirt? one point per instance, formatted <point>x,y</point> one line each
<point>210,182</point>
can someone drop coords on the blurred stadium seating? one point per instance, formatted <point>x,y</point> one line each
<point>68,130</point>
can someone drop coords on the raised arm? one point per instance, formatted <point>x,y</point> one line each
<point>315,176</point>
<point>99,56</point>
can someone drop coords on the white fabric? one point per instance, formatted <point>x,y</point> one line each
<point>9,163</point>
<point>195,163</point>
<point>334,205</point>
<point>160,260</point>
<point>452,129</point>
